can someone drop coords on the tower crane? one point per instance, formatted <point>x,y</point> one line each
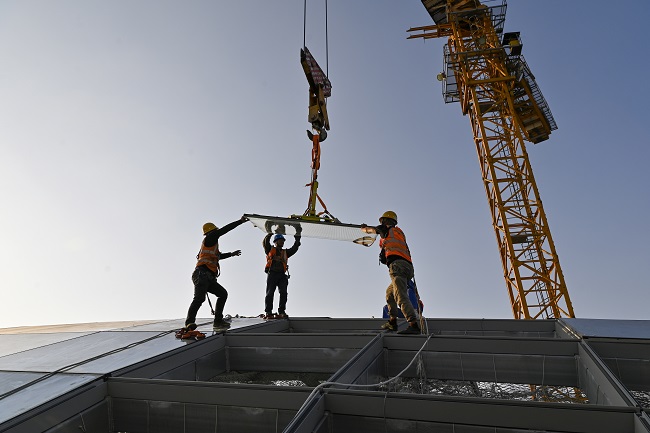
<point>485,72</point>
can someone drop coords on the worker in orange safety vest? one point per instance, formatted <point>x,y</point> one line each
<point>396,255</point>
<point>277,270</point>
<point>206,272</point>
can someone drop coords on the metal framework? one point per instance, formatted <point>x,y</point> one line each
<point>486,74</point>
<point>466,376</point>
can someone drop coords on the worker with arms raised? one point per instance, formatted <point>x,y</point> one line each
<point>206,272</point>
<point>277,269</point>
<point>396,255</point>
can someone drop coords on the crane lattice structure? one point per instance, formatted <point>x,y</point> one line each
<point>486,73</point>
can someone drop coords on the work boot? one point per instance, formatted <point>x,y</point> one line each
<point>391,325</point>
<point>190,326</point>
<point>412,329</point>
<point>220,324</point>
<point>281,316</point>
<point>269,316</point>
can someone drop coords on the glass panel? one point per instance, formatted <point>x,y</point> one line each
<point>112,349</point>
<point>37,393</point>
<point>312,229</point>
<point>200,418</point>
<point>610,328</point>
<point>166,417</point>
<point>162,326</point>
<point>14,343</point>
<point>247,419</point>
<point>130,415</point>
<point>204,323</point>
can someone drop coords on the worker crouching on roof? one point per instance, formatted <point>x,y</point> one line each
<point>277,269</point>
<point>206,272</point>
<point>396,255</point>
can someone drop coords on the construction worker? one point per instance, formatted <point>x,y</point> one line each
<point>417,304</point>
<point>206,272</point>
<point>396,255</point>
<point>278,273</point>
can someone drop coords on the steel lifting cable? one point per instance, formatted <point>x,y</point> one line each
<point>327,55</point>
<point>304,25</point>
<point>304,35</point>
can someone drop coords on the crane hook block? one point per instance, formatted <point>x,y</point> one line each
<point>320,88</point>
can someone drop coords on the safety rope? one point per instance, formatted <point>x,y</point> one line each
<point>210,303</point>
<point>373,385</point>
<point>424,326</point>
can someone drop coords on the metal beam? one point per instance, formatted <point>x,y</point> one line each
<point>339,341</point>
<point>479,412</point>
<point>245,395</point>
<point>161,364</point>
<point>356,369</point>
<point>598,382</point>
<point>505,345</point>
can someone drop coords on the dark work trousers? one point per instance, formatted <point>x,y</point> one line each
<point>205,281</point>
<point>281,281</point>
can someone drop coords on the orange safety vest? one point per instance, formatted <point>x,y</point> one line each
<point>395,244</point>
<point>282,257</point>
<point>209,256</point>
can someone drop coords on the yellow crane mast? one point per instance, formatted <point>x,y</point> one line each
<point>486,73</point>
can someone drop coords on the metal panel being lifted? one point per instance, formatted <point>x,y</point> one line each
<point>312,229</point>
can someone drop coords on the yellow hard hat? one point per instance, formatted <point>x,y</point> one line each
<point>208,227</point>
<point>389,214</point>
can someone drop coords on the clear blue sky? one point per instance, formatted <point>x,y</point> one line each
<point>124,126</point>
